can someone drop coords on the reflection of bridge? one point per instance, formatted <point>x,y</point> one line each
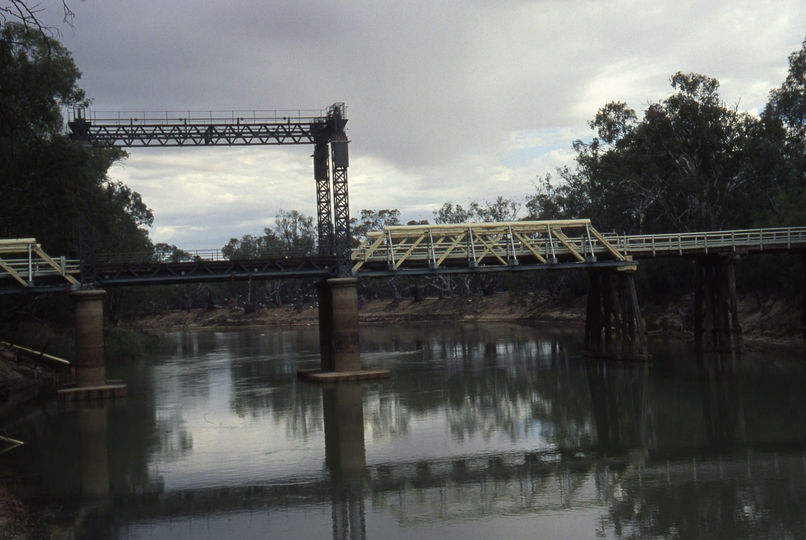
<point>452,489</point>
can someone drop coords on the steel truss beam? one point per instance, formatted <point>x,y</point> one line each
<point>475,245</point>
<point>170,129</point>
<point>342,210</point>
<point>161,273</point>
<point>321,167</point>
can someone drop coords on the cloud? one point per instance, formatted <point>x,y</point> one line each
<point>444,98</point>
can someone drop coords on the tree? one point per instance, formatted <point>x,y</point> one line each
<point>448,213</point>
<point>374,220</point>
<point>169,253</point>
<point>690,163</point>
<point>295,231</point>
<point>784,120</point>
<point>787,104</point>
<point>42,170</point>
<point>27,14</point>
<point>501,209</point>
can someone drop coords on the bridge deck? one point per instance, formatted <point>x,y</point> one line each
<point>406,250</point>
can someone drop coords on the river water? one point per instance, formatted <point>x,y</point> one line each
<point>484,431</point>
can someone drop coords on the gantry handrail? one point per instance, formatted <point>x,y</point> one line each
<point>35,265</point>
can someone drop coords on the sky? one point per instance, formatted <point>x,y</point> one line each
<point>447,101</point>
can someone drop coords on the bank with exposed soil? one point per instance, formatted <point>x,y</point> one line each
<point>767,321</point>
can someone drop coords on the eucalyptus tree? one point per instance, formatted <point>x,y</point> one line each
<point>688,163</point>
<point>42,170</point>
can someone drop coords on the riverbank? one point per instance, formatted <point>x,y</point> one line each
<point>766,321</point>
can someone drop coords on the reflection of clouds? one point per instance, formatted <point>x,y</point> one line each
<point>386,416</point>
<point>172,440</point>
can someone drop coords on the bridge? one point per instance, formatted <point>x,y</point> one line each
<point>399,251</point>
<point>614,327</point>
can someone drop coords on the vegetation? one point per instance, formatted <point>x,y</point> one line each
<point>43,171</point>
<point>689,162</point>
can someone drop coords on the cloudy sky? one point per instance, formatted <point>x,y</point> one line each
<point>446,100</point>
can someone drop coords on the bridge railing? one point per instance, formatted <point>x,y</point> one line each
<point>23,261</point>
<point>150,257</point>
<point>178,118</point>
<point>743,240</point>
<point>483,244</point>
<point>198,255</point>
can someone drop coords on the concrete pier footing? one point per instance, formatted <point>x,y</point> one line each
<point>90,365</point>
<point>338,335</point>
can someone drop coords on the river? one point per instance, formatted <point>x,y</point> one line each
<point>484,431</point>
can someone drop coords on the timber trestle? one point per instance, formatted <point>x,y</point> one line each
<point>613,325</point>
<point>716,312</point>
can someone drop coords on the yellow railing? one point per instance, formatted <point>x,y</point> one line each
<point>23,261</point>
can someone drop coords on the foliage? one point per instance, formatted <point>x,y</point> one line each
<point>28,15</point>
<point>690,163</point>
<point>48,180</point>
<point>293,234</point>
<point>42,169</point>
<point>501,209</point>
<point>374,220</point>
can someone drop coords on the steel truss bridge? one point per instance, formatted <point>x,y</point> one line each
<point>324,129</point>
<point>419,250</point>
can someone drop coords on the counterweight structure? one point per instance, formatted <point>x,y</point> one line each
<point>324,129</point>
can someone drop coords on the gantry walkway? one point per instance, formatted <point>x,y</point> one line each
<point>401,251</point>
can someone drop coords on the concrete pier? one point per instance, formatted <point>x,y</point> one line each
<point>339,342</point>
<point>90,365</point>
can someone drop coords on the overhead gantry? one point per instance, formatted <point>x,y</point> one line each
<point>324,129</point>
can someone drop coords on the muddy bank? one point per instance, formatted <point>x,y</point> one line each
<point>768,321</point>
<point>21,375</point>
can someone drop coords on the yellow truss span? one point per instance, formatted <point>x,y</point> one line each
<point>23,260</point>
<point>489,244</point>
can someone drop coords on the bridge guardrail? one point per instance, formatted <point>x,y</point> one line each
<point>547,242</point>
<point>35,265</point>
<point>740,240</point>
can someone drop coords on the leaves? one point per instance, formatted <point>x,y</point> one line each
<point>688,164</point>
<point>42,171</point>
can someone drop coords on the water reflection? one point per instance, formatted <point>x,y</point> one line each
<point>345,458</point>
<point>482,429</point>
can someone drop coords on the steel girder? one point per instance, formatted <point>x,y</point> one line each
<point>149,129</point>
<point>341,208</point>
<point>163,273</point>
